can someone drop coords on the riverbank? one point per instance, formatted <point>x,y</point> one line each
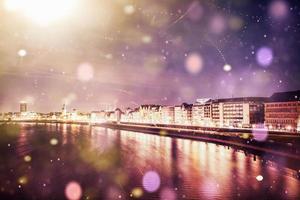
<point>274,148</point>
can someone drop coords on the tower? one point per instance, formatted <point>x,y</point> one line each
<point>23,106</point>
<point>64,110</point>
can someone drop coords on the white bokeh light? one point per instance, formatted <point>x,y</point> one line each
<point>129,9</point>
<point>227,68</point>
<point>43,12</point>
<point>85,72</point>
<point>146,39</point>
<point>259,178</point>
<point>22,52</point>
<point>12,5</point>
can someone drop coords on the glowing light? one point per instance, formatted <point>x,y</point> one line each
<point>194,63</point>
<point>260,134</point>
<point>270,127</point>
<point>137,192</point>
<point>278,9</point>
<point>259,178</point>
<point>73,191</point>
<point>163,133</point>
<point>129,9</point>
<point>27,158</point>
<point>23,180</point>
<point>53,141</point>
<point>227,68</point>
<point>264,56</point>
<point>245,136</point>
<point>22,52</point>
<point>167,194</point>
<point>151,181</point>
<point>146,39</point>
<point>108,56</point>
<point>85,72</point>
<point>42,12</point>
<point>12,5</point>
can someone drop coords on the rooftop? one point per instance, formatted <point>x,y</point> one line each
<point>285,96</point>
<point>241,99</point>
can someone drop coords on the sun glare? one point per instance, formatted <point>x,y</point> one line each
<point>42,12</point>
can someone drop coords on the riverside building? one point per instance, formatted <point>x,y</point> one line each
<point>282,111</point>
<point>242,112</point>
<point>201,112</point>
<point>183,114</point>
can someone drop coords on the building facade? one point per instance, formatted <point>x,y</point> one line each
<point>150,113</point>
<point>183,114</point>
<point>167,115</point>
<point>201,113</point>
<point>238,112</point>
<point>282,111</point>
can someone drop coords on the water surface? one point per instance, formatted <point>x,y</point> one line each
<point>38,161</point>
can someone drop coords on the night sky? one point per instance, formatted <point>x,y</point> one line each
<point>138,52</point>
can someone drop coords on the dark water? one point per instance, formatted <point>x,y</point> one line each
<point>58,161</point>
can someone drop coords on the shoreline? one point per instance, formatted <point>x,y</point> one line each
<point>255,148</point>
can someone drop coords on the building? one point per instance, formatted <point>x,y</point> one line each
<point>150,113</point>
<point>282,111</point>
<point>167,115</point>
<point>97,116</point>
<point>134,116</point>
<point>23,107</point>
<point>127,115</point>
<point>118,115</point>
<point>183,114</point>
<point>201,112</point>
<point>238,112</point>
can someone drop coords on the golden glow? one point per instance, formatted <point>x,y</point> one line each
<point>23,180</point>
<point>27,158</point>
<point>137,192</point>
<point>42,12</point>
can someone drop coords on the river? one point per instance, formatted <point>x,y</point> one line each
<point>59,161</point>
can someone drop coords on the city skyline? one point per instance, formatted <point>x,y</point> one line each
<point>113,106</point>
<point>166,53</point>
<point>279,112</point>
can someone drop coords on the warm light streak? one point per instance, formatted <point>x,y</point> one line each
<point>43,12</point>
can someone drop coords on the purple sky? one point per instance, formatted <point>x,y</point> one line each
<point>135,52</point>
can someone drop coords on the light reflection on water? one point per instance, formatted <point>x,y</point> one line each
<point>109,164</point>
